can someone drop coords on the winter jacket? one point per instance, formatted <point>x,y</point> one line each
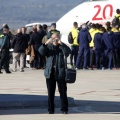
<point>5,44</point>
<point>98,44</point>
<point>48,51</point>
<point>84,38</point>
<point>117,42</point>
<point>109,40</point>
<point>19,43</point>
<point>35,40</point>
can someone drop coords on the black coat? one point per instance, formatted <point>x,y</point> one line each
<point>62,51</point>
<point>19,43</point>
<point>35,40</point>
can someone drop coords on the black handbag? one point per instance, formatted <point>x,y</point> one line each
<point>70,74</point>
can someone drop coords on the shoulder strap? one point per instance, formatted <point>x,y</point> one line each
<point>65,62</point>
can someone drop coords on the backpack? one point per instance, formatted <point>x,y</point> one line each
<point>70,38</point>
<point>116,21</point>
<point>1,40</point>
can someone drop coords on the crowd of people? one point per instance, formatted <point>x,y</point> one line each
<point>24,44</point>
<point>46,51</point>
<point>95,45</point>
<point>92,46</point>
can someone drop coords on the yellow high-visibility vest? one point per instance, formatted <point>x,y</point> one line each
<point>92,33</point>
<point>74,32</point>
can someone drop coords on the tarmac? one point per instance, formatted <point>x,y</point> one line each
<point>94,96</point>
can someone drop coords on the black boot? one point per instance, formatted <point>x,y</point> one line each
<point>8,72</point>
<point>1,72</point>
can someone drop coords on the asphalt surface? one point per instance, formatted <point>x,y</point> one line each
<point>94,96</point>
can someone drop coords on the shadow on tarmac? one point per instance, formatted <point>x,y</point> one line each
<point>97,107</point>
<point>20,101</point>
<point>37,104</point>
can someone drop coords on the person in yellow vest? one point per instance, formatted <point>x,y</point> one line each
<point>116,20</point>
<point>118,14</point>
<point>75,45</point>
<point>108,24</point>
<point>92,32</point>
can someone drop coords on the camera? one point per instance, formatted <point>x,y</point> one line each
<point>54,40</point>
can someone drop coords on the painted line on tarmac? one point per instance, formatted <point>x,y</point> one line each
<point>87,92</point>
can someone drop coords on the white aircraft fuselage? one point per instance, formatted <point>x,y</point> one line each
<point>93,11</point>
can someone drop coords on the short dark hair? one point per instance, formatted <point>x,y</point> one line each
<point>24,28</point>
<point>107,23</point>
<point>93,26</point>
<point>75,23</point>
<point>40,27</point>
<point>97,26</point>
<point>45,26</point>
<point>53,24</point>
<point>118,11</point>
<point>6,27</point>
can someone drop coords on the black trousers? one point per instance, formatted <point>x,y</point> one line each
<point>25,61</point>
<point>38,60</point>
<point>4,61</point>
<point>116,60</point>
<point>74,54</point>
<point>92,57</point>
<point>51,86</point>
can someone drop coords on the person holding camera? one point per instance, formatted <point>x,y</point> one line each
<point>54,72</point>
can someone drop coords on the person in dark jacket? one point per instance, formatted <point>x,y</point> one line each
<point>45,28</point>
<point>27,38</point>
<point>109,41</point>
<point>36,41</point>
<point>99,47</point>
<point>19,44</point>
<point>10,35</point>
<point>41,31</point>
<point>84,39</point>
<point>3,26</point>
<point>117,46</point>
<point>42,34</point>
<point>5,50</point>
<point>55,51</point>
